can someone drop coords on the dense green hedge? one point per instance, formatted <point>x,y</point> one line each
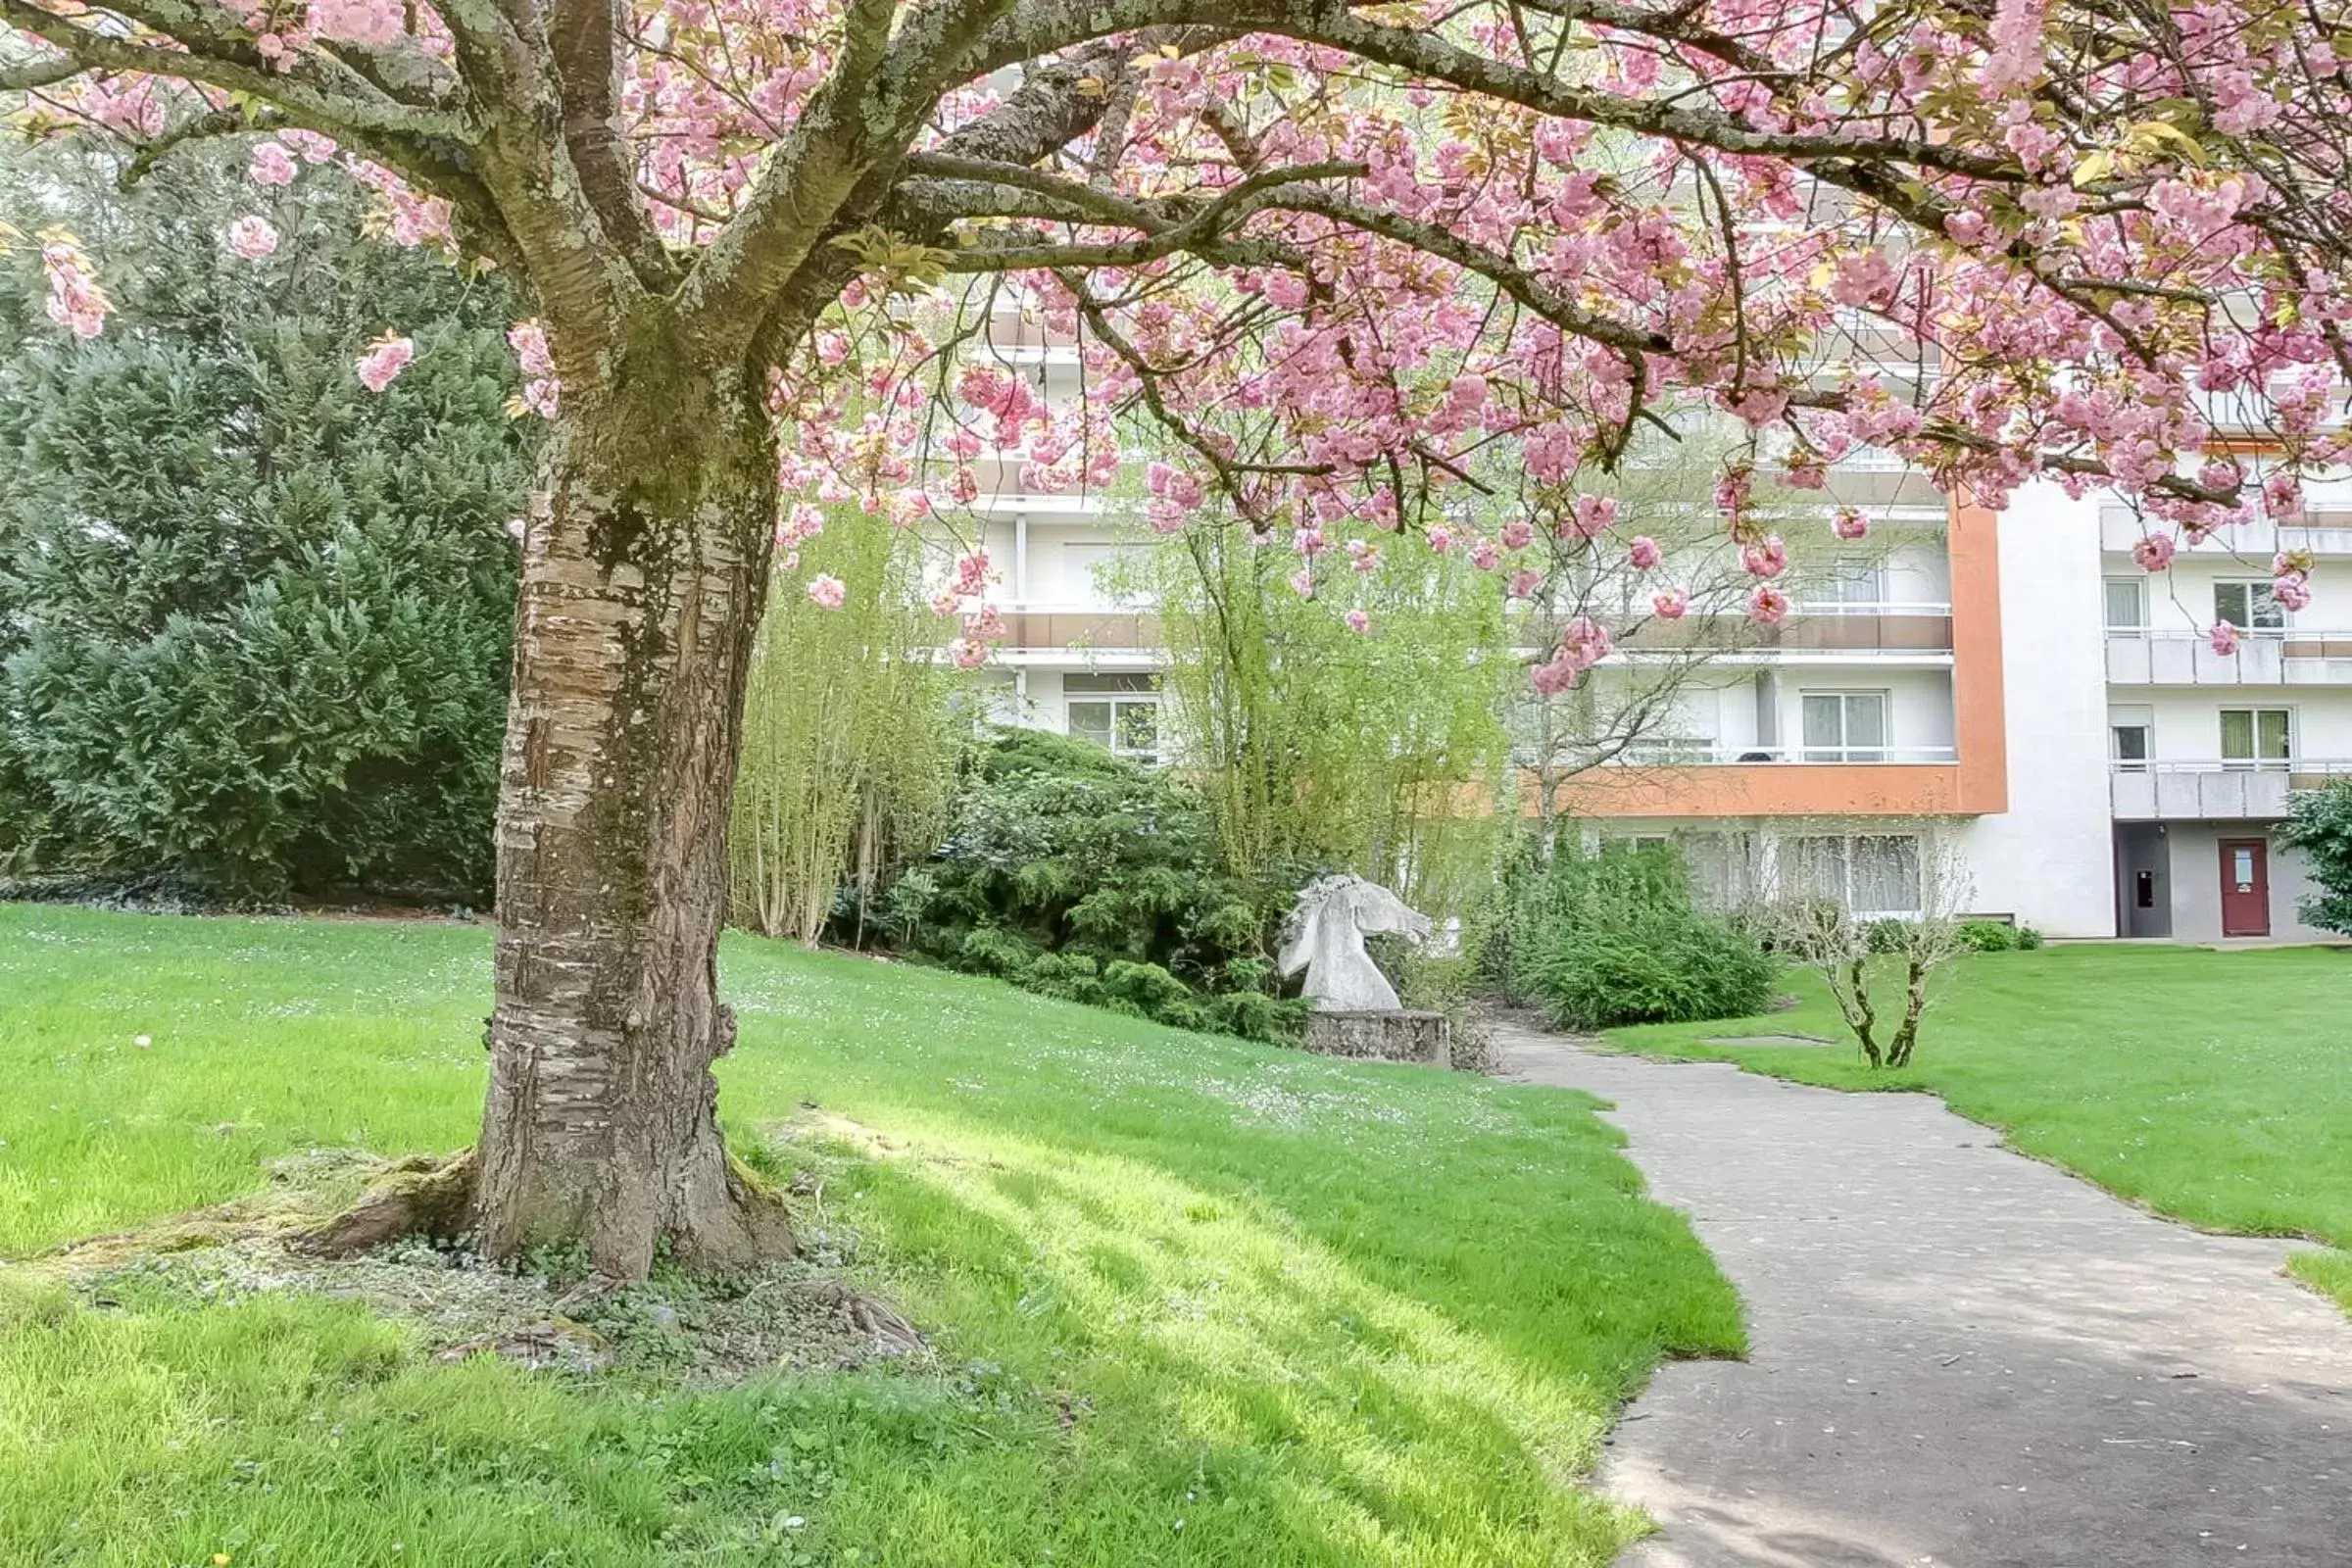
<point>2320,824</point>
<point>1078,874</point>
<point>254,620</point>
<point>1613,938</point>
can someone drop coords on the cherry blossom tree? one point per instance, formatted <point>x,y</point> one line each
<point>1347,254</point>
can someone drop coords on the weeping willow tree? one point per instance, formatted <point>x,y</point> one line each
<point>1321,745</point>
<point>851,735</point>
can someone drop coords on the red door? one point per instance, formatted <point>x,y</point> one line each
<point>2245,888</point>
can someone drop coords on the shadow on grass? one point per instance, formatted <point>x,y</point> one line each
<point>1274,1403</point>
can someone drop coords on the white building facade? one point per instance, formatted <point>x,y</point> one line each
<point>2009,699</point>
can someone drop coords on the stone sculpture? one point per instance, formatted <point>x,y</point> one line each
<point>1326,937</point>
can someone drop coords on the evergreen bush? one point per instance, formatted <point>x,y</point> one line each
<point>1079,874</point>
<point>253,618</point>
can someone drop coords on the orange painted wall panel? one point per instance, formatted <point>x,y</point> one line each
<point>1978,784</point>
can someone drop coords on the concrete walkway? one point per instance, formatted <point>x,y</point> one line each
<point>1959,1355</point>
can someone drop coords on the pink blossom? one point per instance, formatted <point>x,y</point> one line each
<point>2154,552</point>
<point>2282,495</point>
<point>1485,557</point>
<point>1358,621</point>
<point>827,592</point>
<point>1645,553</point>
<point>2224,637</point>
<point>528,340</point>
<point>75,301</point>
<point>1590,517</point>
<point>1965,228</point>
<point>1302,583</point>
<point>2292,592</point>
<point>1554,676</point>
<point>314,148</point>
<point>1848,523</point>
<point>384,360</point>
<point>967,654</point>
<point>374,23</point>
<point>1672,604</point>
<point>271,164</point>
<point>1732,490</point>
<point>1363,554</point>
<point>1518,534</point>
<point>1441,538</point>
<point>1767,558</point>
<point>2015,60</point>
<point>252,237</point>
<point>1768,605</point>
<point>1523,583</point>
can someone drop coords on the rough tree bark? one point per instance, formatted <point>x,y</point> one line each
<point>645,570</point>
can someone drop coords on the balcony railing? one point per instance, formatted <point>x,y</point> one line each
<point>2323,531</point>
<point>1887,627</point>
<point>1708,754</point>
<point>2216,789</point>
<point>2267,657</point>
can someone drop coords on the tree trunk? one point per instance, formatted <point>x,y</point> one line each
<point>645,568</point>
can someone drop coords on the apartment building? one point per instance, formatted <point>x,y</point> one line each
<point>2003,709</point>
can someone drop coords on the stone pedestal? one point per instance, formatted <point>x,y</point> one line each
<point>1386,1036</point>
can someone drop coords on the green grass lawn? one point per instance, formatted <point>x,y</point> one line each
<point>2213,1087</point>
<point>1194,1301</point>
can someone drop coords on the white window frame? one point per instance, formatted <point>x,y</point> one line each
<point>2261,603</point>
<point>1843,749</point>
<point>1116,706</point>
<point>2137,588</point>
<point>2121,720</point>
<point>1846,864</point>
<point>2256,763</point>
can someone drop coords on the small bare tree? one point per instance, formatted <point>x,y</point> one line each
<point>1816,923</point>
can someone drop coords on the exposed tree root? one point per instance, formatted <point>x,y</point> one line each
<point>424,1195</point>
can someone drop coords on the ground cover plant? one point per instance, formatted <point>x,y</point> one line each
<point>2213,1087</point>
<point>1189,1301</point>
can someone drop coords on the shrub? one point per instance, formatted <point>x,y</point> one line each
<point>1996,936</point>
<point>253,618</point>
<point>2320,824</point>
<point>1078,874</point>
<point>1613,938</point>
<point>1662,967</point>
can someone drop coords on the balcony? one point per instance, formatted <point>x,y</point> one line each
<point>1071,628</point>
<point>1703,753</point>
<point>2294,658</point>
<point>2214,791</point>
<point>1836,630</point>
<point>2321,530</point>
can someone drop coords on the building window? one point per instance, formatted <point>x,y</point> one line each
<point>2130,735</point>
<point>1857,581</point>
<point>1872,875</point>
<point>1844,726</point>
<point>1119,713</point>
<point>2126,603</point>
<point>1721,868</point>
<point>1108,574</point>
<point>2248,606</point>
<point>2257,738</point>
